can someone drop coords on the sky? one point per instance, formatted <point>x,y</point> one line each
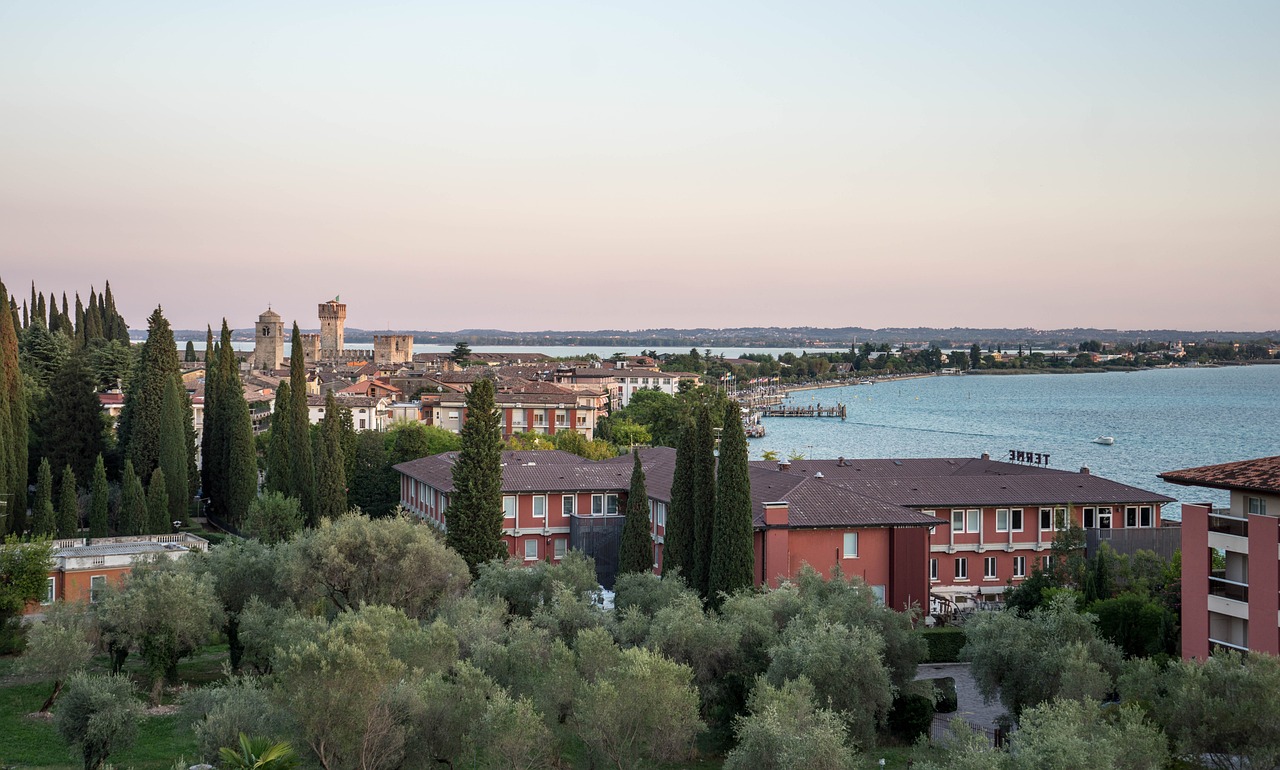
<point>584,165</point>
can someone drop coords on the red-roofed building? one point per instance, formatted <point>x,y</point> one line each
<point>1238,606</point>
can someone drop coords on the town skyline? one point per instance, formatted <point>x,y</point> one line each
<point>725,165</point>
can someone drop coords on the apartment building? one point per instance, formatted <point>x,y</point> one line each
<point>82,567</point>
<point>1231,559</point>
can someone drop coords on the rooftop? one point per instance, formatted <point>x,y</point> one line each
<point>1260,475</point>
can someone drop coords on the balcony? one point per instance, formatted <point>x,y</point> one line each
<point>1225,524</point>
<point>1229,589</point>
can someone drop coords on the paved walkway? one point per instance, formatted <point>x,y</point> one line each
<point>972,708</point>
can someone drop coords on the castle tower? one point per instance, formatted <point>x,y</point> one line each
<point>390,349</point>
<point>268,346</point>
<point>333,317</point>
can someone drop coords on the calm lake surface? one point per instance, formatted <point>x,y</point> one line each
<point>1162,420</point>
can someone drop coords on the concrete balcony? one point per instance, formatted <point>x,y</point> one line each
<point>1229,589</point>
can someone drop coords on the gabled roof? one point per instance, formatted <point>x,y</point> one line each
<point>1260,475</point>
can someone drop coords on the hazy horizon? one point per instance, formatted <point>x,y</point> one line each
<point>631,166</point>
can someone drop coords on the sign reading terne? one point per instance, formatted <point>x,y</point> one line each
<point>1030,458</point>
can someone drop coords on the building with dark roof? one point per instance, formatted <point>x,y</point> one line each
<point>1238,606</point>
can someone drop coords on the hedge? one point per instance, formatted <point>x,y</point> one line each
<point>911,717</point>
<point>944,644</point>
<point>948,701</point>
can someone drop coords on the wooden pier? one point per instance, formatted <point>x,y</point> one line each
<point>814,410</point>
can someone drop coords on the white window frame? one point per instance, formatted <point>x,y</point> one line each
<point>1015,519</point>
<point>961,568</point>
<point>989,568</point>
<point>568,504</point>
<point>1019,566</point>
<point>50,590</point>
<point>973,520</point>
<point>531,542</point>
<point>1146,516</point>
<point>957,512</point>
<point>1131,516</point>
<point>1090,518</point>
<point>94,582</point>
<point>561,547</point>
<point>850,550</point>
<point>611,505</point>
<point>540,502</point>
<point>1002,526</point>
<point>1049,513</point>
<point>597,505</point>
<point>514,502</point>
<point>1104,513</point>
<point>1256,506</point>
<point>933,570</point>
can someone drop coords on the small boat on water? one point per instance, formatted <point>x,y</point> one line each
<point>1107,440</point>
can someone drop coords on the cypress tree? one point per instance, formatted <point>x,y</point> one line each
<point>92,318</point>
<point>68,505</point>
<point>212,447</point>
<point>279,473</point>
<point>303,484</point>
<point>331,464</point>
<point>44,521</point>
<point>72,430</point>
<point>704,498</point>
<point>238,459</point>
<point>635,553</point>
<point>732,542</point>
<point>13,426</point>
<point>176,446</point>
<point>677,548</point>
<point>98,498</point>
<point>190,354</point>
<point>133,503</point>
<point>158,504</point>
<point>80,329</point>
<point>474,516</point>
<point>26,317</point>
<point>42,312</point>
<point>139,429</point>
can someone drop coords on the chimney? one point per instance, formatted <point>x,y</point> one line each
<point>784,465</point>
<point>1084,469</point>
<point>840,462</point>
<point>986,455</point>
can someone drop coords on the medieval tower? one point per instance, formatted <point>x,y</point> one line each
<point>268,347</point>
<point>333,317</point>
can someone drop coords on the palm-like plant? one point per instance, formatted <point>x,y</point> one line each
<point>259,754</point>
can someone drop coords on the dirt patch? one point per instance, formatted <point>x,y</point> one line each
<point>46,716</point>
<point>162,711</point>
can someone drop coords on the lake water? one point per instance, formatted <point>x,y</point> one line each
<point>1162,420</point>
<point>556,351</point>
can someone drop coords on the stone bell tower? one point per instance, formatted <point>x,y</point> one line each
<point>268,347</point>
<point>333,317</point>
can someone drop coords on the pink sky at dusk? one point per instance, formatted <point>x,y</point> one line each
<point>574,166</point>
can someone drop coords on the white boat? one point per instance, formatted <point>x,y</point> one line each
<point>1108,440</point>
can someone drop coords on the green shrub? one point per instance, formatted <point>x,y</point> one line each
<point>944,644</point>
<point>948,701</point>
<point>911,716</point>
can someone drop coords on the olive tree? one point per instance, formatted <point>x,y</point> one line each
<point>219,714</point>
<point>58,646</point>
<point>239,570</point>
<point>785,730</point>
<point>98,715</point>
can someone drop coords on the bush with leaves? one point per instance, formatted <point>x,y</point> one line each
<point>258,754</point>
<point>525,589</point>
<point>98,715</point>
<point>786,730</point>
<point>219,714</point>
<point>267,631</point>
<point>240,570</point>
<point>58,646</point>
<point>274,518</point>
<point>531,662</point>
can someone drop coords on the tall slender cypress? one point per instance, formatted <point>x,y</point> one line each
<point>677,547</point>
<point>704,498</point>
<point>13,427</point>
<point>68,505</point>
<point>212,447</point>
<point>176,448</point>
<point>158,504</point>
<point>279,472</point>
<point>732,546</point>
<point>133,502</point>
<point>189,355</point>
<point>331,464</point>
<point>238,461</point>
<point>474,516</point>
<point>80,328</point>
<point>140,426</point>
<point>98,498</point>
<point>44,520</point>
<point>635,552</point>
<point>302,460</point>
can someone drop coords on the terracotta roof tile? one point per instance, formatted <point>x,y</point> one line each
<point>1260,475</point>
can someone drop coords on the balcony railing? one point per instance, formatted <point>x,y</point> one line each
<point>1224,524</point>
<point>1229,589</point>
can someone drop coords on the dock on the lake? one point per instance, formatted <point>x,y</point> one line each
<point>813,410</point>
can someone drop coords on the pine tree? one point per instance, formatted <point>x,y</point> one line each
<point>474,516</point>
<point>158,504</point>
<point>635,553</point>
<point>176,447</point>
<point>133,503</point>
<point>704,498</point>
<point>68,505</point>
<point>189,355</point>
<point>44,520</point>
<point>303,484</point>
<point>139,429</point>
<point>72,430</point>
<point>677,548</point>
<point>331,465</point>
<point>279,472</point>
<point>13,426</point>
<point>99,494</point>
<point>732,540</point>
